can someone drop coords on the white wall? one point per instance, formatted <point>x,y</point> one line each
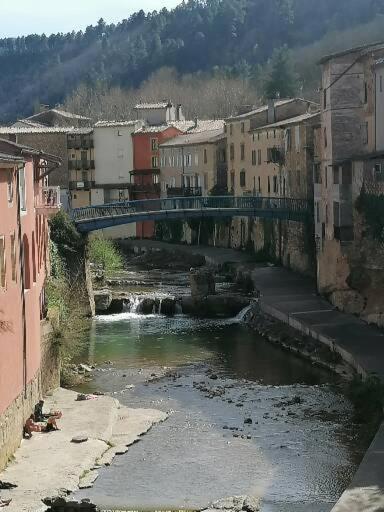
<point>114,154</point>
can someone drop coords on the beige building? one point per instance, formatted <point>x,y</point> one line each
<point>193,164</point>
<point>252,165</point>
<point>349,179</point>
<point>81,166</point>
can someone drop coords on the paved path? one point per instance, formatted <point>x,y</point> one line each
<point>49,462</point>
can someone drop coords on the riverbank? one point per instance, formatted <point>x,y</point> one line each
<point>51,464</point>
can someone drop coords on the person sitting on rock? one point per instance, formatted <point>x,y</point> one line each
<point>51,422</point>
<point>38,413</point>
<point>30,426</point>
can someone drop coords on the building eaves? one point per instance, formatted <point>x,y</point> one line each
<point>287,122</point>
<point>152,129</point>
<point>202,125</point>
<point>80,131</point>
<point>13,130</point>
<point>25,122</point>
<point>372,46</point>
<point>110,124</point>
<point>264,108</point>
<point>20,150</point>
<point>11,159</point>
<point>152,106</point>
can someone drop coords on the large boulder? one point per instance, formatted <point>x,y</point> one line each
<point>202,283</point>
<point>103,300</point>
<point>168,307</point>
<point>214,306</point>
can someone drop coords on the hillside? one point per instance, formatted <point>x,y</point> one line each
<point>234,37</point>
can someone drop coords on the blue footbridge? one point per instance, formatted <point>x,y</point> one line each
<point>104,216</point>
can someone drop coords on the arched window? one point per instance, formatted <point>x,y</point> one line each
<point>33,257</point>
<point>26,268</point>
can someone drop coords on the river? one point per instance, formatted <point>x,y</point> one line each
<point>245,417</point>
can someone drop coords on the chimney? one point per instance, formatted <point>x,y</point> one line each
<point>179,113</point>
<point>271,118</point>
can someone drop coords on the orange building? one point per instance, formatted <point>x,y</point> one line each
<point>146,163</point>
<point>25,203</point>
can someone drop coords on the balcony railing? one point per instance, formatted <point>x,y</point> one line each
<point>80,144</point>
<point>48,201</point>
<point>81,165</point>
<point>184,191</point>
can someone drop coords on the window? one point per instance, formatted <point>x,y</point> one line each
<point>269,184</point>
<point>22,190</point>
<point>254,157</point>
<point>155,179</point>
<point>318,220</point>
<point>173,160</point>
<point>379,174</point>
<point>230,129</point>
<point>258,135</point>
<point>225,128</point>
<point>13,257</point>
<point>232,180</point>
<point>336,175</point>
<point>325,98</point>
<point>232,152</point>
<point>242,178</point>
<point>3,280</point>
<point>297,138</point>
<point>267,134</point>
<point>288,139</point>
<point>205,156</point>
<point>259,156</point>
<point>242,152</point>
<point>275,186</point>
<point>205,181</point>
<point>188,160</point>
<point>154,144</point>
<point>274,134</point>
<point>317,174</point>
<point>242,127</point>
<point>326,214</point>
<point>259,180</point>
<point>10,186</point>
<point>325,138</point>
<point>381,83</point>
<point>34,274</point>
<point>364,132</point>
<point>155,162</point>
<point>365,92</point>
<point>196,159</point>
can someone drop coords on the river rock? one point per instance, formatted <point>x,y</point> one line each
<point>168,307</point>
<point>214,306</point>
<point>202,283</point>
<point>251,503</point>
<point>103,300</point>
<point>147,306</point>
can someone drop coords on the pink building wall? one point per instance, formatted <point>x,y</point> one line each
<point>18,366</point>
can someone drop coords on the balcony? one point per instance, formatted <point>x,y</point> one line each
<point>153,188</point>
<point>81,165</point>
<point>80,144</point>
<point>184,191</point>
<point>81,185</point>
<point>48,201</point>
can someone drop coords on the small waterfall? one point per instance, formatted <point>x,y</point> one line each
<point>126,306</point>
<point>178,309</point>
<point>134,304</point>
<point>241,317</point>
<point>160,302</point>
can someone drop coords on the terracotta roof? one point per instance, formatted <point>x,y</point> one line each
<point>25,122</point>
<point>191,139</point>
<point>13,130</point>
<point>264,108</point>
<point>289,121</point>
<point>153,106</point>
<point>372,46</point>
<point>62,113</point>
<point>108,124</point>
<point>202,125</point>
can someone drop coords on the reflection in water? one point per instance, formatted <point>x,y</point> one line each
<point>299,452</point>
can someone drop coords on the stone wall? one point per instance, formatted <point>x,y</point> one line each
<point>14,417</point>
<point>287,242</point>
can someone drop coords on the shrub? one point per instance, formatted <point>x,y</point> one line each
<point>105,253</point>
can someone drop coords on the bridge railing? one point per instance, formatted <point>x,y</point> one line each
<point>290,206</point>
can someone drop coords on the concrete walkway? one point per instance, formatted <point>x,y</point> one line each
<point>50,462</point>
<point>293,299</point>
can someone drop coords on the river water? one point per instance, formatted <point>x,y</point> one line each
<point>299,453</point>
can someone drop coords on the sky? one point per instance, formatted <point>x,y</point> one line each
<point>22,17</point>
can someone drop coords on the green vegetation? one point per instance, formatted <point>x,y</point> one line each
<point>105,254</point>
<point>68,302</point>
<point>215,41</point>
<point>372,207</point>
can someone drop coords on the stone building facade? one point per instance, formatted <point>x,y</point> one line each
<point>349,182</point>
<point>28,362</point>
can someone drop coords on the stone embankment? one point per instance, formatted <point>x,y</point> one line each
<point>92,432</point>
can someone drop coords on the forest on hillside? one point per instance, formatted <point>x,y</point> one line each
<point>214,49</point>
